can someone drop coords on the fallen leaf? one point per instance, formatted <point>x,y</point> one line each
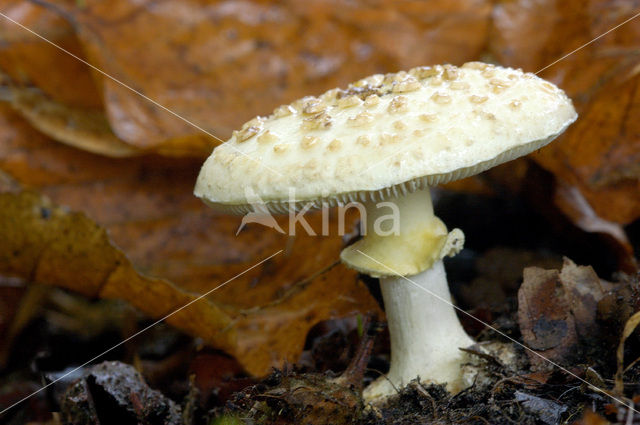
<point>83,128</point>
<point>86,129</point>
<point>147,207</point>
<point>599,153</point>
<point>57,92</point>
<point>219,64</point>
<point>582,289</point>
<point>557,311</point>
<point>31,61</point>
<point>45,244</point>
<point>572,202</point>
<point>545,320</point>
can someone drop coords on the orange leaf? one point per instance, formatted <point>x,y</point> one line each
<point>219,64</point>
<point>46,244</point>
<point>31,61</point>
<point>600,153</point>
<point>147,207</point>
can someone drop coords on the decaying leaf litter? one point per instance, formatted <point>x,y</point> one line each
<point>146,206</point>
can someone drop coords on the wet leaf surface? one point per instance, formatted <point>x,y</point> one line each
<point>573,203</point>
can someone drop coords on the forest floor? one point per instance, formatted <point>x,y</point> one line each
<point>167,377</point>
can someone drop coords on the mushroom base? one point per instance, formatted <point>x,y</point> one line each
<point>425,333</point>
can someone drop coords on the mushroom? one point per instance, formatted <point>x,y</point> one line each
<point>382,143</point>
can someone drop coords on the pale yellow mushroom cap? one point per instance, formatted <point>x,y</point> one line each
<point>385,134</point>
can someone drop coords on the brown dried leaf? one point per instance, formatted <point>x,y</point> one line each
<point>599,154</point>
<point>46,244</point>
<point>87,129</point>
<point>557,311</point>
<point>572,202</point>
<point>146,205</point>
<point>546,323</point>
<point>219,64</point>
<point>583,289</point>
<point>57,93</point>
<point>79,127</point>
<point>548,411</point>
<point>31,61</point>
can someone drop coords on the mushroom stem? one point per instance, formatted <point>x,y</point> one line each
<point>425,333</point>
<point>423,326</point>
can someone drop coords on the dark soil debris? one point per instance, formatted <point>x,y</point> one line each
<point>115,393</point>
